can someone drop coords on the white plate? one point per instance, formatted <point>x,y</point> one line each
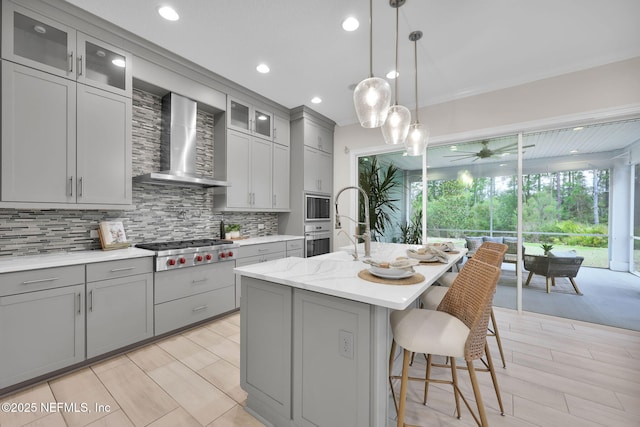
<point>392,273</point>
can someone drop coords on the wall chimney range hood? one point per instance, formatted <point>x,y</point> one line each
<point>178,147</point>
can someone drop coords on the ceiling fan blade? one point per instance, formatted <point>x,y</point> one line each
<point>463,158</point>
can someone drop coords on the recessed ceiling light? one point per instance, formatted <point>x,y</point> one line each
<point>453,148</point>
<point>392,74</point>
<point>350,24</point>
<point>168,13</point>
<point>578,128</point>
<point>263,68</point>
<point>119,62</point>
<point>316,100</point>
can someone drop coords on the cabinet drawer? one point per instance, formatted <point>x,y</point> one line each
<point>294,244</point>
<point>185,311</point>
<point>259,258</point>
<point>261,249</point>
<point>171,285</point>
<point>113,269</point>
<point>296,252</point>
<point>36,280</point>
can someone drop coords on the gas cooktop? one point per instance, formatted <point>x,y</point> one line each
<point>190,253</point>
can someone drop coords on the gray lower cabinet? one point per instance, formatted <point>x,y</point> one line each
<point>303,352</point>
<point>295,248</point>
<point>183,297</point>
<point>119,304</point>
<point>42,322</point>
<point>265,359</point>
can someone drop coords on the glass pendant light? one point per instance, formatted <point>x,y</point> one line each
<point>416,142</point>
<point>372,96</point>
<point>396,127</point>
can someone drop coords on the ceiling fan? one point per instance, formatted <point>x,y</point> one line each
<point>485,152</point>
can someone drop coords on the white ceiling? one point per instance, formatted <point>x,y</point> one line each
<point>469,46</point>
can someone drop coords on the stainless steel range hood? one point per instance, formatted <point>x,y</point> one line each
<point>178,147</point>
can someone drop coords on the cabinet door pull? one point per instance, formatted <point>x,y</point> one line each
<point>275,133</point>
<point>71,186</point>
<point>71,62</point>
<point>79,303</point>
<point>202,307</point>
<point>115,270</point>
<point>30,282</point>
<point>81,185</point>
<point>90,300</point>
<point>80,65</point>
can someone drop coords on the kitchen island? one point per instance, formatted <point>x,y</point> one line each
<point>315,338</point>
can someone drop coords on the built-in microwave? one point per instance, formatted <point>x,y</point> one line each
<point>317,208</point>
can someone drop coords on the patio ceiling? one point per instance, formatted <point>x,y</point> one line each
<point>594,146</point>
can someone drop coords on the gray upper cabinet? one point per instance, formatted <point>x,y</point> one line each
<point>281,131</point>
<point>246,118</point>
<point>63,143</point>
<point>281,177</point>
<point>66,115</point>
<point>318,137</point>
<point>39,42</point>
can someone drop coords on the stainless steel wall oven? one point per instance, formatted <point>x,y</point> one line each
<point>317,238</point>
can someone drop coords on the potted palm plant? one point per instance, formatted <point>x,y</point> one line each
<point>546,247</point>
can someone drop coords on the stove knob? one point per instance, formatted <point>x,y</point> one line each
<point>230,254</point>
<point>199,258</point>
<point>182,260</point>
<point>222,255</point>
<point>209,257</point>
<point>171,261</point>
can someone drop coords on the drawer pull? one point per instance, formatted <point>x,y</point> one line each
<point>263,250</point>
<point>115,270</point>
<point>202,307</point>
<point>195,282</point>
<point>30,282</point>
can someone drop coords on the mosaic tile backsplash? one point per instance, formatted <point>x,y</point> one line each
<point>159,213</point>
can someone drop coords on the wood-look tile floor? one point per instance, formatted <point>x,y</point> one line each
<point>559,372</point>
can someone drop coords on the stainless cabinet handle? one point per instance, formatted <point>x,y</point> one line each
<point>79,303</point>
<point>263,250</point>
<point>71,62</point>
<point>195,282</point>
<point>81,184</point>
<point>122,269</point>
<point>70,186</point>
<point>80,65</point>
<point>202,307</point>
<point>274,200</point>
<point>30,282</point>
<point>275,133</point>
<point>90,300</point>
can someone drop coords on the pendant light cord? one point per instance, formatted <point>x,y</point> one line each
<point>396,70</point>
<point>415,55</point>
<point>370,38</point>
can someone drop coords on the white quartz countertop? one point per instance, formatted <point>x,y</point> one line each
<point>267,239</point>
<point>336,274</point>
<point>60,259</point>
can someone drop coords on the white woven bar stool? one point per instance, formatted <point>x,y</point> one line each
<point>456,330</point>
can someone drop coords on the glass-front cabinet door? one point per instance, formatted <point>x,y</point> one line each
<point>244,117</point>
<point>36,41</point>
<point>262,123</point>
<point>103,66</point>
<point>239,116</point>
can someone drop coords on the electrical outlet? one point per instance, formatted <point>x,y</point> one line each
<point>93,234</point>
<point>260,226</point>
<point>345,341</point>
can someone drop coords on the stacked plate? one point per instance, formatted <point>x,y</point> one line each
<point>400,269</point>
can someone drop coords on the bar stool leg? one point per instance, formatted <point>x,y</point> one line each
<point>392,354</point>
<point>403,387</point>
<point>494,378</point>
<point>497,335</point>
<point>427,376</point>
<point>476,393</point>
<point>456,390</point>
